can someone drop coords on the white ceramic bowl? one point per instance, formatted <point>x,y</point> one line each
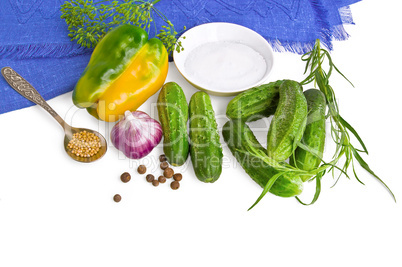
<point>233,72</point>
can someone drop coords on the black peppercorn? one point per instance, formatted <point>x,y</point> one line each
<point>164,165</point>
<point>161,179</point>
<point>125,177</point>
<point>175,185</point>
<point>168,173</point>
<point>142,169</point>
<point>150,178</point>
<point>177,177</point>
<point>162,158</point>
<point>117,198</point>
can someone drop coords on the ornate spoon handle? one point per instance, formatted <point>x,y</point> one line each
<point>23,87</point>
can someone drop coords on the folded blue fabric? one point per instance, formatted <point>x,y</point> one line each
<point>34,41</point>
<point>289,25</point>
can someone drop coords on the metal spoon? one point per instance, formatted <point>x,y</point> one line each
<point>20,85</point>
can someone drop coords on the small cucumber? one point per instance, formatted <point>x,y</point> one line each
<point>289,121</point>
<point>245,147</point>
<point>314,134</point>
<point>205,150</point>
<point>173,115</point>
<point>255,103</point>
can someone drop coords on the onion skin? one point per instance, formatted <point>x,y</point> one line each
<point>136,134</point>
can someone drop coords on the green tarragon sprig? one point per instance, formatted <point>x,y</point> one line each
<point>88,21</point>
<point>341,132</point>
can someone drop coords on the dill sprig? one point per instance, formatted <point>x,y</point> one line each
<point>88,21</point>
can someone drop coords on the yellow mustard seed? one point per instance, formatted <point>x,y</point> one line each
<point>84,144</point>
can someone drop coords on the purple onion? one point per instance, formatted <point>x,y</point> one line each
<point>136,134</point>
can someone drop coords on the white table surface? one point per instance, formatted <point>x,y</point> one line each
<point>57,212</point>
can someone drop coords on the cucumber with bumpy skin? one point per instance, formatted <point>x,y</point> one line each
<point>289,121</point>
<point>314,134</point>
<point>255,103</point>
<point>205,150</point>
<point>173,115</point>
<point>245,148</point>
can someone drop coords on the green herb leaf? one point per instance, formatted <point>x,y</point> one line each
<point>267,187</point>
<point>340,128</point>
<point>89,21</point>
<point>353,131</point>
<point>367,168</point>
<point>317,190</point>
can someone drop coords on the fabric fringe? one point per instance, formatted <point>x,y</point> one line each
<point>346,15</point>
<point>338,31</point>
<point>289,46</point>
<point>327,35</point>
<point>321,14</point>
<point>298,47</point>
<point>294,47</point>
<point>29,51</point>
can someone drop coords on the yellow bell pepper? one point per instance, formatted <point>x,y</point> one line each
<point>125,69</point>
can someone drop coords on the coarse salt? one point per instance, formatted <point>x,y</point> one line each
<point>224,66</point>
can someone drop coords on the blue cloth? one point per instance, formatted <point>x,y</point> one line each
<point>289,25</point>
<point>34,41</point>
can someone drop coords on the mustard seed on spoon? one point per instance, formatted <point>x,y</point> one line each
<point>81,144</point>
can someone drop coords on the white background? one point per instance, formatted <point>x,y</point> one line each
<point>57,212</point>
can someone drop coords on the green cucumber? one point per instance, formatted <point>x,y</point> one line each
<point>173,115</point>
<point>314,134</point>
<point>289,121</point>
<point>255,103</point>
<point>205,150</point>
<point>246,148</point>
